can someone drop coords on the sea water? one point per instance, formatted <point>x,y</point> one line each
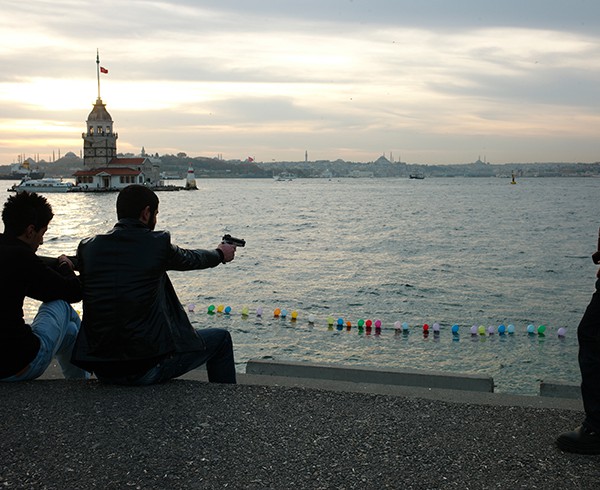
<point>465,251</point>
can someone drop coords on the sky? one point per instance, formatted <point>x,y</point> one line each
<point>430,82</point>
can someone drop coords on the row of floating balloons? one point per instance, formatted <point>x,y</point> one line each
<point>369,324</point>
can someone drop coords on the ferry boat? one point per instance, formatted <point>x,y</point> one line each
<point>284,176</point>
<point>43,185</point>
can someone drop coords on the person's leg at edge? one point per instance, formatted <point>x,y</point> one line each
<point>588,334</point>
<point>586,438</point>
<point>57,324</point>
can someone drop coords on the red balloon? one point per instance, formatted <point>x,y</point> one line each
<point>425,327</point>
<point>368,323</point>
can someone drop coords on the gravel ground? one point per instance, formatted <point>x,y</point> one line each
<point>57,434</point>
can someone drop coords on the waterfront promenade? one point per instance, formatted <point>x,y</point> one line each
<point>275,432</point>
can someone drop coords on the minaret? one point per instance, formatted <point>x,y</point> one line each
<point>99,140</point>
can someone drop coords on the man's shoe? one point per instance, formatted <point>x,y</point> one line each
<point>581,440</point>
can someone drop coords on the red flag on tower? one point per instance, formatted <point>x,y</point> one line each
<point>103,70</point>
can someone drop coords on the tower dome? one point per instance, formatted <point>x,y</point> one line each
<point>99,112</point>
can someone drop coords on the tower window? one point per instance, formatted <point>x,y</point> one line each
<point>91,129</point>
<point>107,129</point>
<point>100,130</point>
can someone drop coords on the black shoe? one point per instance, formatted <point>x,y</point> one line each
<point>581,440</point>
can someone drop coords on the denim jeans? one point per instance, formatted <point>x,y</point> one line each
<point>56,325</point>
<point>218,357</point>
<point>588,334</point>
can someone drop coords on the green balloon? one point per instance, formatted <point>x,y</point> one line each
<point>541,329</point>
<point>361,322</point>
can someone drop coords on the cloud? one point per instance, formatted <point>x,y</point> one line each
<point>345,77</point>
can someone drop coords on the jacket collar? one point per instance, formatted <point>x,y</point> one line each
<point>130,223</point>
<point>13,240</point>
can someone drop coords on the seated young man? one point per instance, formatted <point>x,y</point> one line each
<point>27,351</point>
<point>134,329</point>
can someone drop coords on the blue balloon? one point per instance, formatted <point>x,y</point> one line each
<point>340,321</point>
<point>454,328</point>
<point>501,329</point>
<point>511,328</point>
<point>530,329</point>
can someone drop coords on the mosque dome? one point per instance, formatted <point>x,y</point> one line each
<point>99,112</point>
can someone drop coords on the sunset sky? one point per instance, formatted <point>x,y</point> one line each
<point>426,81</point>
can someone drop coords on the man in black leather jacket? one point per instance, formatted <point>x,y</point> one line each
<point>134,329</point>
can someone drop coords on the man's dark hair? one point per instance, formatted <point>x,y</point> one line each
<point>133,199</point>
<point>24,209</point>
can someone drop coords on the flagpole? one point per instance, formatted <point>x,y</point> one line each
<point>98,71</point>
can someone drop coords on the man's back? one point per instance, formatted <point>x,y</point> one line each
<point>123,274</point>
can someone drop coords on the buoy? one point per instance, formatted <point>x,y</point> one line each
<point>311,318</point>
<point>562,331</point>
<point>259,311</point>
<point>474,330</point>
<point>436,327</point>
<point>191,307</point>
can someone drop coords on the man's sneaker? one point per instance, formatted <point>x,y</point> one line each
<point>581,440</point>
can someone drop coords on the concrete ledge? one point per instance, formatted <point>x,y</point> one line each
<point>405,377</point>
<point>558,389</point>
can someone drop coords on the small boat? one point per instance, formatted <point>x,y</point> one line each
<point>43,185</point>
<point>284,176</point>
<point>417,176</point>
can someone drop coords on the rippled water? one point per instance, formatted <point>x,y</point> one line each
<point>456,250</point>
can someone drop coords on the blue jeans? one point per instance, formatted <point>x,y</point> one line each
<point>218,357</point>
<point>588,335</point>
<point>56,325</point>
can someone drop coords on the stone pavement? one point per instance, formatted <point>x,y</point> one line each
<point>279,433</point>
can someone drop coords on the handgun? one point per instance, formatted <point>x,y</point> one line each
<point>237,242</point>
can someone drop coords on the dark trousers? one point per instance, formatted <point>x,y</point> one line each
<point>218,357</point>
<point>588,334</point>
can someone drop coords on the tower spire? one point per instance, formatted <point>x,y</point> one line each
<point>98,70</point>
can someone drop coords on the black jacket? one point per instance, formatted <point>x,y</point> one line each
<point>130,310</point>
<point>25,274</point>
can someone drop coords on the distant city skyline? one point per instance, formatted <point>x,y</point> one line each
<point>430,82</point>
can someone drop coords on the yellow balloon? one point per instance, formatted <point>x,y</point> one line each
<point>220,308</point>
<point>294,314</point>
